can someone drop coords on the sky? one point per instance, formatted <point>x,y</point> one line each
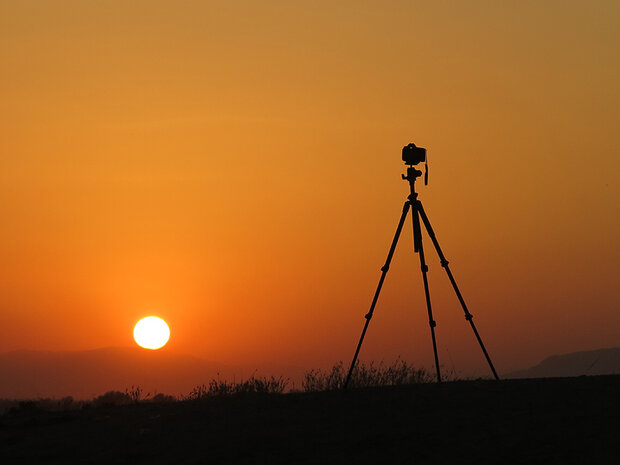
<point>234,167</point>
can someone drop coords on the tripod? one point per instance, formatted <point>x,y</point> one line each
<point>417,212</point>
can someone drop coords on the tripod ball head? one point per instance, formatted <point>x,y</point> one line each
<point>412,174</point>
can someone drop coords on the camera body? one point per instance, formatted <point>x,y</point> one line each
<point>413,155</point>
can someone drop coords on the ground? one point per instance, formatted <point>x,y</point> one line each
<point>560,420</point>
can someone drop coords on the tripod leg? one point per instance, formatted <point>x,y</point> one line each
<point>445,265</point>
<point>384,270</point>
<point>418,248</point>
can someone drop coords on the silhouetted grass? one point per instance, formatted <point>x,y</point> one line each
<point>369,374</point>
<point>112,399</point>
<point>219,388</point>
<point>133,395</point>
<point>365,375</point>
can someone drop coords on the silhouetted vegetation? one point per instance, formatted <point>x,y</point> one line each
<point>46,404</point>
<point>137,394</point>
<point>112,399</point>
<point>365,375</point>
<point>219,388</point>
<point>133,395</point>
<point>370,374</point>
<point>163,398</point>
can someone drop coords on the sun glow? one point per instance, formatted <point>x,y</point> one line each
<point>151,332</point>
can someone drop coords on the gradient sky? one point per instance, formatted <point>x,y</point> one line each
<point>234,167</point>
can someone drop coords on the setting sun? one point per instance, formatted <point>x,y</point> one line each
<point>151,333</point>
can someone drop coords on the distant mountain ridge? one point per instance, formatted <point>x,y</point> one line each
<point>589,362</point>
<point>86,374</point>
<point>26,374</point>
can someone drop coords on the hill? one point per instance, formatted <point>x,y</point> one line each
<point>85,374</point>
<point>550,421</point>
<point>591,362</point>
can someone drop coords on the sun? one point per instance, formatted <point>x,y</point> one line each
<point>151,332</point>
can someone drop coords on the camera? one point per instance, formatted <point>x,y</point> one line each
<point>413,155</point>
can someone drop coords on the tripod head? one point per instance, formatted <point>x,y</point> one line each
<point>412,174</point>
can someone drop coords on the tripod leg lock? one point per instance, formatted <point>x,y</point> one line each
<point>424,268</point>
<point>445,263</point>
<point>432,323</point>
<point>385,268</point>
<point>368,316</point>
<point>469,316</point>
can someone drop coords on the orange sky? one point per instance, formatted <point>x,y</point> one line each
<point>234,167</point>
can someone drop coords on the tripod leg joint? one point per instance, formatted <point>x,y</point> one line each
<point>385,268</point>
<point>469,316</point>
<point>368,316</point>
<point>444,263</point>
<point>424,268</point>
<point>432,323</point>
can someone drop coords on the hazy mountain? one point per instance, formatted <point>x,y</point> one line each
<point>85,374</point>
<point>591,362</point>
